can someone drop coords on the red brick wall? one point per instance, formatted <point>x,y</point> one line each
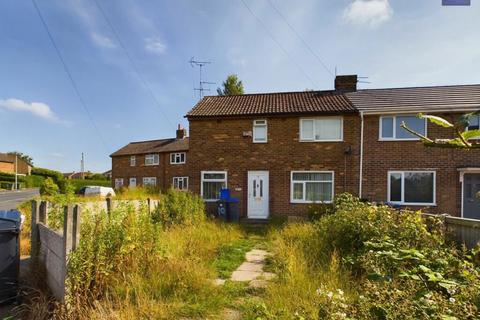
<point>7,167</point>
<point>219,145</point>
<point>164,171</point>
<point>383,156</point>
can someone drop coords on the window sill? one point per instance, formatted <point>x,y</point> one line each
<point>260,142</point>
<point>309,202</point>
<point>211,200</point>
<point>414,204</point>
<point>413,139</point>
<point>177,163</point>
<point>321,140</point>
<point>150,165</point>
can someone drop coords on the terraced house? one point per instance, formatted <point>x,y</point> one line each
<point>281,152</point>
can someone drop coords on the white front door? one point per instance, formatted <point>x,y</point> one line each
<point>132,183</point>
<point>258,194</point>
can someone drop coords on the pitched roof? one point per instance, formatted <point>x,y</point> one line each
<point>153,146</point>
<point>416,99</point>
<point>272,104</point>
<point>5,157</point>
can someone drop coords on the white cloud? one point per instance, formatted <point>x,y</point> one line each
<point>155,45</point>
<point>368,12</point>
<point>38,109</point>
<point>102,41</point>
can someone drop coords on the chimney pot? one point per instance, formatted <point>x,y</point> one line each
<point>346,83</point>
<point>181,132</point>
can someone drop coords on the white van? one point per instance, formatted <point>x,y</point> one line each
<point>97,191</point>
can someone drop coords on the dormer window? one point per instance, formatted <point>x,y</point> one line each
<point>260,131</point>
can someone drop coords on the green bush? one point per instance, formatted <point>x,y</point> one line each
<point>33,181</point>
<point>372,262</point>
<point>47,173</point>
<point>318,210</point>
<point>49,188</point>
<point>178,207</point>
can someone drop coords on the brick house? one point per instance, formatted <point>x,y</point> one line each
<point>7,164</point>
<point>155,163</point>
<point>281,152</point>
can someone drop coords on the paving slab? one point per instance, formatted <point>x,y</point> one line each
<point>239,275</point>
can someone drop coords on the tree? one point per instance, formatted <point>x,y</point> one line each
<point>465,139</point>
<point>231,86</point>
<point>23,156</point>
<point>49,188</point>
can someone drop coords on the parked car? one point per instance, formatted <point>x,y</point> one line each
<point>97,191</point>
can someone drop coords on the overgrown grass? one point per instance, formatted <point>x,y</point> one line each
<point>230,256</point>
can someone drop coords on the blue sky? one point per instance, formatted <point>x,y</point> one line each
<point>394,43</point>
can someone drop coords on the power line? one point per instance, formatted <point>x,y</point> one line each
<point>301,38</point>
<point>279,44</point>
<point>132,62</point>
<point>70,77</point>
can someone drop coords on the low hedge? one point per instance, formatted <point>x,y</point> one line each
<point>47,173</point>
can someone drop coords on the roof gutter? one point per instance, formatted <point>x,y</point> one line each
<point>394,110</point>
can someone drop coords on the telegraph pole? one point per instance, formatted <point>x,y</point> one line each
<point>16,172</point>
<point>82,166</point>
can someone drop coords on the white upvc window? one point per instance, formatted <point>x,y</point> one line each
<point>151,159</point>
<point>323,129</point>
<point>133,161</point>
<point>118,183</point>
<point>178,158</point>
<point>474,124</point>
<point>260,131</point>
<point>149,181</point>
<point>211,184</point>
<point>180,183</point>
<point>411,187</point>
<point>389,127</point>
<point>311,186</point>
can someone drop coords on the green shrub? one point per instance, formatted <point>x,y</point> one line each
<point>387,263</point>
<point>49,188</point>
<point>179,207</point>
<point>318,210</point>
<point>33,181</point>
<point>47,173</point>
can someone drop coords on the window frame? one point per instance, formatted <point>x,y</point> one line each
<point>184,179</point>
<point>255,124</point>
<point>394,138</point>
<point>149,185</point>
<point>303,139</point>
<point>173,157</point>
<point>130,181</point>
<point>402,201</point>
<point>155,156</point>
<point>202,180</point>
<point>292,200</point>
<point>467,128</point>
<point>133,161</point>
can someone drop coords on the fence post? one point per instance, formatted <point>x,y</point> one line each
<point>149,205</point>
<point>34,238</point>
<point>76,227</point>
<point>67,229</point>
<point>43,214</point>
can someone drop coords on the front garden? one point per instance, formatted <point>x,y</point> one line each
<point>355,261</point>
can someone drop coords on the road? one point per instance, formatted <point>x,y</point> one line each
<point>11,199</point>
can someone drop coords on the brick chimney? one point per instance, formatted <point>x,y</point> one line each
<point>346,83</point>
<point>181,132</point>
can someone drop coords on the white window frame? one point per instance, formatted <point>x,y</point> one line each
<point>467,129</point>
<point>149,185</point>
<point>256,124</point>
<point>394,138</point>
<point>292,200</point>
<point>121,182</point>
<point>185,183</point>
<point>303,139</point>
<point>202,180</point>
<point>174,160</point>
<point>402,201</point>
<point>155,157</point>
<point>133,161</point>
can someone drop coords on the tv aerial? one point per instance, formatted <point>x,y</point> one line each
<point>201,87</point>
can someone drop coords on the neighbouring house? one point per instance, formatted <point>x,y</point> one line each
<point>108,174</point>
<point>8,163</point>
<point>279,153</point>
<point>76,175</point>
<point>155,163</point>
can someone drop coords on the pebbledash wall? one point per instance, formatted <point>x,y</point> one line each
<point>220,145</point>
<point>383,156</point>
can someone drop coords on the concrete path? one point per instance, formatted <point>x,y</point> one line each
<point>252,269</point>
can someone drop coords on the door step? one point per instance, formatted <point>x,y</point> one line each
<point>254,221</point>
